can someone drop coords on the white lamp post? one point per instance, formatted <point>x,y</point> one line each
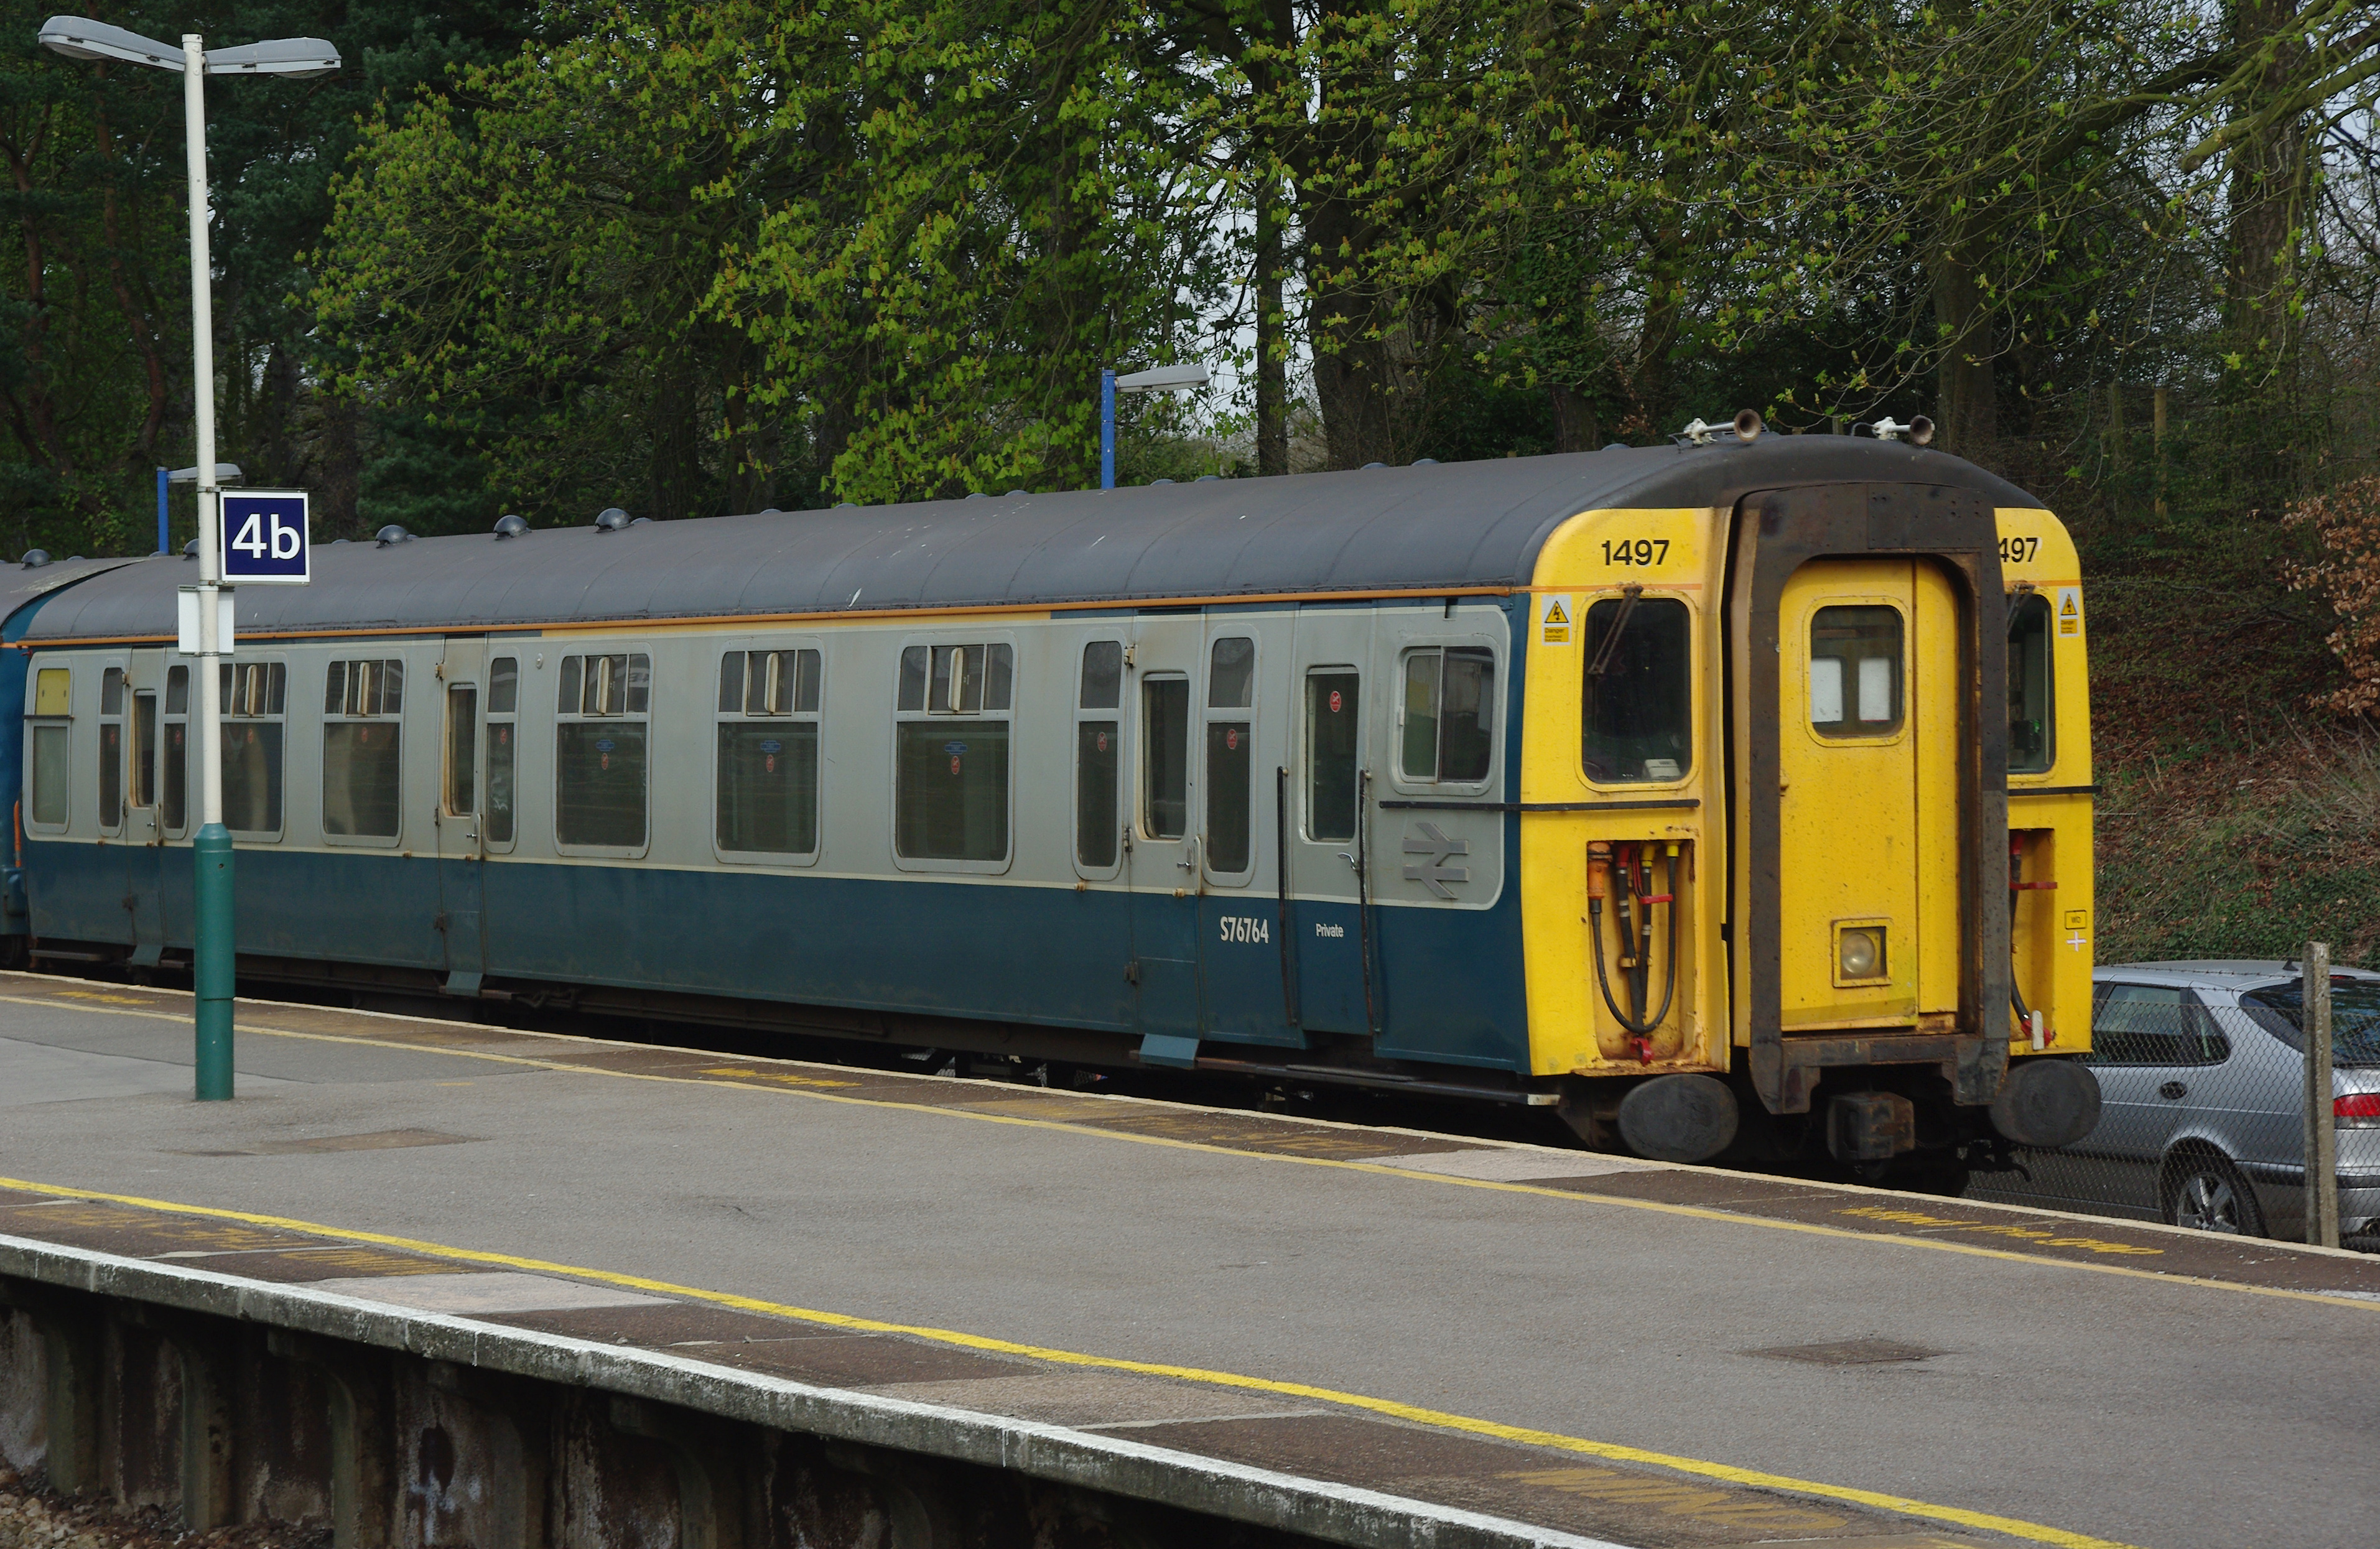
<point>80,38</point>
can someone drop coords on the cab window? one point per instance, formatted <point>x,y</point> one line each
<point>1639,710</point>
<point>2032,727</point>
<point>1855,671</point>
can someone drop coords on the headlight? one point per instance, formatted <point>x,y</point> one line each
<point>1860,953</point>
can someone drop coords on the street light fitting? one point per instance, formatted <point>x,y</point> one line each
<point>80,38</point>
<point>225,473</point>
<point>299,59</point>
<point>1163,379</point>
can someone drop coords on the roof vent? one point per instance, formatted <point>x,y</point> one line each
<point>977,495</point>
<point>768,512</point>
<point>1425,462</point>
<point>1615,447</point>
<point>1154,482</point>
<point>610,519</point>
<point>1206,478</point>
<point>643,521</point>
<point>392,533</point>
<point>845,504</point>
<point>190,549</point>
<point>35,559</point>
<point>509,526</point>
<point>1372,465</point>
<point>1014,492</point>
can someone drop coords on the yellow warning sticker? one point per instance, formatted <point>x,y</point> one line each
<point>1556,629</point>
<point>2070,610</point>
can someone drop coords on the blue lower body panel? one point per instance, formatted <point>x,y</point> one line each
<point>1448,983</point>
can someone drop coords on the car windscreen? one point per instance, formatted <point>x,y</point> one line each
<point>2354,1017</point>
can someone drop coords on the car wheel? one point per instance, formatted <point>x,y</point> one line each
<point>2207,1194</point>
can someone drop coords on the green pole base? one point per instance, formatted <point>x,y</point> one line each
<point>213,962</point>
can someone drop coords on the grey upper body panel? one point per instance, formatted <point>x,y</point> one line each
<point>1459,525</point>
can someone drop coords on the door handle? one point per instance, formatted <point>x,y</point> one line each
<point>2173,1090</point>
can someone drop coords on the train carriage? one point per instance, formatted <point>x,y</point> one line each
<point>1733,795</point>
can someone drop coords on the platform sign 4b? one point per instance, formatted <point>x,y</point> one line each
<point>265,538</point>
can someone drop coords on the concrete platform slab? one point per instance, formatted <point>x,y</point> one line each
<point>1587,1334</point>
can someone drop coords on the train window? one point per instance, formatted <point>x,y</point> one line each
<point>52,692</point>
<point>375,688</point>
<point>960,679</point>
<point>2032,727</point>
<point>462,747</point>
<point>1638,720</point>
<point>600,754</point>
<point>1098,758</point>
<point>604,686</point>
<point>173,805</point>
<point>949,757</point>
<point>1103,674</point>
<point>768,796</point>
<point>363,748</point>
<point>1855,671</point>
<point>111,749</point>
<point>1231,755</point>
<point>1165,757</point>
<point>504,748</point>
<point>53,753</point>
<point>1450,709</point>
<point>144,748</point>
<point>1333,753</point>
<point>255,698</point>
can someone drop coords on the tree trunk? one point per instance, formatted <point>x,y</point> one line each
<point>1966,417</point>
<point>1575,427</point>
<point>1272,323</point>
<point>2267,199</point>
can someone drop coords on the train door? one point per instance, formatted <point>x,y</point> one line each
<point>1239,748</point>
<point>1164,690</point>
<point>143,832</point>
<point>1328,828</point>
<point>1868,858</point>
<point>461,812</point>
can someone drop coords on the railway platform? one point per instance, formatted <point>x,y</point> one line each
<point>1363,1335</point>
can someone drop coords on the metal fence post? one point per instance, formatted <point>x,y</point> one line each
<point>2321,1131</point>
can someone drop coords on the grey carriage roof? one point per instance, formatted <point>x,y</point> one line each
<point>1474,525</point>
<point>21,584</point>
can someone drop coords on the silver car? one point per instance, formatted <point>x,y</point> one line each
<point>2201,1078</point>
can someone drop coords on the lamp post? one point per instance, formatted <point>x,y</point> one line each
<point>1161,379</point>
<point>80,38</point>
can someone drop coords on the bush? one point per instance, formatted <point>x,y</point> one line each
<point>2347,524</point>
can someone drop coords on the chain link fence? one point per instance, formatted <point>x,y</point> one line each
<point>2206,1098</point>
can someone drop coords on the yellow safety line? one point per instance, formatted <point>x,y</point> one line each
<point>1752,1478</point>
<point>1384,1168</point>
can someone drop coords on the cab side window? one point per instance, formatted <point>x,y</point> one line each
<point>2033,724</point>
<point>1638,721</point>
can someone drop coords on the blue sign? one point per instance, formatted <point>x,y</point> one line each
<point>265,538</point>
